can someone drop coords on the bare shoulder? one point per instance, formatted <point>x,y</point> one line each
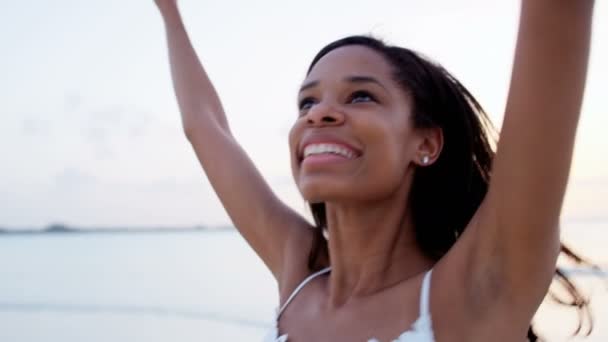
<point>477,289</point>
<point>297,251</point>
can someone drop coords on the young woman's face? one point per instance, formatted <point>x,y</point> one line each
<point>353,139</point>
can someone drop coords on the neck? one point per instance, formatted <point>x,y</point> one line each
<point>371,248</point>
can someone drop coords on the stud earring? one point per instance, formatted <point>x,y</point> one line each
<point>425,160</point>
<point>325,233</point>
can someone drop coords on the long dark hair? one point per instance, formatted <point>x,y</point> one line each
<point>445,195</point>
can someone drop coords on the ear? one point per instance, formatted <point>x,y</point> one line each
<point>430,146</point>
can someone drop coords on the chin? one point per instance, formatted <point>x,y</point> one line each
<point>313,193</point>
<point>317,191</point>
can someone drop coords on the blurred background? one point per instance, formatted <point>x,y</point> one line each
<point>109,229</point>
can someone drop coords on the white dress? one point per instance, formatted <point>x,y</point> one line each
<point>420,331</point>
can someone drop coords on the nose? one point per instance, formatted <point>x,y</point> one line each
<point>324,115</point>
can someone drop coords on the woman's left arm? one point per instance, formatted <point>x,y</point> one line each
<point>517,231</point>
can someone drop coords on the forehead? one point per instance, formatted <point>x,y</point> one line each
<point>351,60</point>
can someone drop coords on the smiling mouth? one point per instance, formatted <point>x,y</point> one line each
<point>314,149</point>
<point>328,149</point>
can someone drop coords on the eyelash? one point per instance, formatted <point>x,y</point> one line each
<point>305,101</point>
<point>362,93</point>
<point>309,101</point>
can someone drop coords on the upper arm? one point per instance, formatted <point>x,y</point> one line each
<point>533,158</point>
<point>265,222</point>
<point>508,252</point>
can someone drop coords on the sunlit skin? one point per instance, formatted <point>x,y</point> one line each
<point>492,280</point>
<point>350,96</point>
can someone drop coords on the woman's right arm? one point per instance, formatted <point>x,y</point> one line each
<point>265,222</point>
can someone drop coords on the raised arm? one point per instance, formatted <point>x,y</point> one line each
<point>512,243</point>
<point>533,158</point>
<point>265,222</point>
<point>537,138</point>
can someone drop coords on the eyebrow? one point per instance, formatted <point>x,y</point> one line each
<point>350,79</point>
<point>309,85</point>
<point>364,79</point>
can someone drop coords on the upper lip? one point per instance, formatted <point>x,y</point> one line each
<point>324,139</point>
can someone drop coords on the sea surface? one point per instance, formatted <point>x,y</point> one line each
<point>183,286</point>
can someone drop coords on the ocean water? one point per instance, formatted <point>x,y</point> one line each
<point>173,286</point>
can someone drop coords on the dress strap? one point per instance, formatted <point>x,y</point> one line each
<point>302,284</point>
<point>425,294</point>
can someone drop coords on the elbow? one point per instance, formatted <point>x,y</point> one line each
<point>203,120</point>
<point>188,132</point>
<point>212,128</point>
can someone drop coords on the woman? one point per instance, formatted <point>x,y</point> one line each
<point>392,154</point>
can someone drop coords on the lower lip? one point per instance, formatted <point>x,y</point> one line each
<point>323,159</point>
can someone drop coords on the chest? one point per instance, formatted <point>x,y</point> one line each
<point>385,317</point>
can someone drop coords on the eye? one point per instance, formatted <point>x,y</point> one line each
<point>361,96</point>
<point>306,103</point>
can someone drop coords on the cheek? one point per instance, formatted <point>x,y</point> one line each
<point>386,168</point>
<point>293,138</point>
<point>390,142</point>
<point>389,157</point>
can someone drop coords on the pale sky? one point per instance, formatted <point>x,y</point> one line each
<point>90,133</point>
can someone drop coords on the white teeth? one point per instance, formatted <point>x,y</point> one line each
<point>328,148</point>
